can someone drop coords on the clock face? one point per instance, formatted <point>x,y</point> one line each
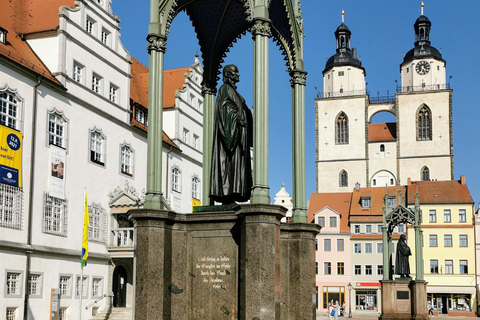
<point>422,67</point>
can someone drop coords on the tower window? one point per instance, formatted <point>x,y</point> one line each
<point>343,178</point>
<point>382,148</point>
<point>425,174</point>
<point>341,73</point>
<point>341,128</point>
<point>424,124</point>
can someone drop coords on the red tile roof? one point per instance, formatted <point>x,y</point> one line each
<point>14,16</point>
<point>382,132</point>
<point>340,202</point>
<point>439,192</point>
<point>39,16</point>
<point>173,80</point>
<point>376,195</point>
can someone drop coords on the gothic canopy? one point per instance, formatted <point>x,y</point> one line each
<point>219,23</point>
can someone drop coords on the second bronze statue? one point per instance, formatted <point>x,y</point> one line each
<point>231,171</point>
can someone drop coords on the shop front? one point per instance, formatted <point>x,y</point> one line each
<point>367,296</point>
<point>453,304</point>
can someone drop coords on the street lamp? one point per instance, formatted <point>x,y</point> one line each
<point>349,300</point>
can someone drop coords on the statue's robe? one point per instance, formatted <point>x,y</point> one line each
<point>231,170</point>
<point>402,266</point>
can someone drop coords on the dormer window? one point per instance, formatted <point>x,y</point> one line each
<point>366,202</point>
<point>3,35</point>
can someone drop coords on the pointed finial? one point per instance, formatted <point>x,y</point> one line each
<point>421,8</point>
<point>343,16</point>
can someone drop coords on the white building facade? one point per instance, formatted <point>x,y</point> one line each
<point>65,86</point>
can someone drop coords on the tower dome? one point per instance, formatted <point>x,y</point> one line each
<point>344,55</point>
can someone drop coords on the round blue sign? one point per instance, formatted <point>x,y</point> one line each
<point>13,141</point>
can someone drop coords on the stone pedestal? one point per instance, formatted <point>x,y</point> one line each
<point>239,263</point>
<point>404,299</point>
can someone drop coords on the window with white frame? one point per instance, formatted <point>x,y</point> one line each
<point>9,110</point>
<point>368,270</point>
<point>34,284</point>
<point>447,240</point>
<point>13,284</point>
<point>11,207</point>
<point>97,226</point>
<point>368,248</point>
<point>65,285</point>
<point>432,215</point>
<point>447,215</point>
<point>340,244</point>
<point>392,202</point>
<point>333,222</point>
<point>97,147</point>
<point>12,313</point>
<point>462,215</point>
<point>358,248</point>
<point>379,228</point>
<point>327,244</point>
<point>78,72</point>
<point>176,178</point>
<point>356,228</point>
<point>97,287</point>
<point>366,202</point>
<point>321,221</point>
<point>96,83</point>
<point>196,140</point>
<point>105,37</point>
<point>186,133</point>
<point>434,266</point>
<point>448,266</point>
<point>83,285</point>
<point>141,116</point>
<point>90,25</point>
<point>357,270</point>
<point>433,240</point>
<point>113,94</point>
<point>463,264</point>
<point>63,313</point>
<point>379,247</point>
<point>126,160</point>
<point>379,270</point>
<point>368,228</point>
<point>57,125</point>
<point>463,240</point>
<point>54,215</point>
<point>401,228</point>
<point>195,188</point>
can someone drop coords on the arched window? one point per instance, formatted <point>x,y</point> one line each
<point>9,111</point>
<point>425,173</point>
<point>341,129</point>
<point>382,148</point>
<point>424,124</point>
<point>176,174</point>
<point>195,188</point>
<point>343,178</point>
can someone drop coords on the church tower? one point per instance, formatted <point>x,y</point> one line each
<point>340,119</point>
<point>424,104</point>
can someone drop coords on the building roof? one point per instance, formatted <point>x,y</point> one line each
<point>382,132</point>
<point>15,17</point>
<point>376,200</point>
<point>439,192</point>
<point>40,16</point>
<point>174,80</point>
<point>340,202</point>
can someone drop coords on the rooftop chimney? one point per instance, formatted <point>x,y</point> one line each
<point>462,180</point>
<point>409,181</point>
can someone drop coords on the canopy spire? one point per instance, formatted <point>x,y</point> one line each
<point>421,8</point>
<point>343,15</point>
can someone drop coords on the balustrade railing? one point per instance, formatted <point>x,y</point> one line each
<point>432,87</point>
<point>122,237</point>
<point>341,94</point>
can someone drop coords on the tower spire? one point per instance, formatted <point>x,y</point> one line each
<point>421,8</point>
<point>343,16</point>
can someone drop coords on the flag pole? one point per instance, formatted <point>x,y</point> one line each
<point>84,255</point>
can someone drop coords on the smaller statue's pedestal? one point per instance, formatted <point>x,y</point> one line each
<point>404,299</point>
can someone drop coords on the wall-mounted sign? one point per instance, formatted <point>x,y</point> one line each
<point>10,156</point>
<point>57,172</point>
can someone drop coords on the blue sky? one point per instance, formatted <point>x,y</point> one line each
<point>382,31</point>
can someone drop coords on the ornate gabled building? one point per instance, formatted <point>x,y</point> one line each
<point>77,101</point>
<point>419,144</point>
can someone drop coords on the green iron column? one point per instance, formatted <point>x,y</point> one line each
<point>385,242</point>
<point>208,91</point>
<point>156,48</point>
<point>298,81</point>
<point>418,240</point>
<point>261,33</point>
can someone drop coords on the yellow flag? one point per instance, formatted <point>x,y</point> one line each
<point>86,223</point>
